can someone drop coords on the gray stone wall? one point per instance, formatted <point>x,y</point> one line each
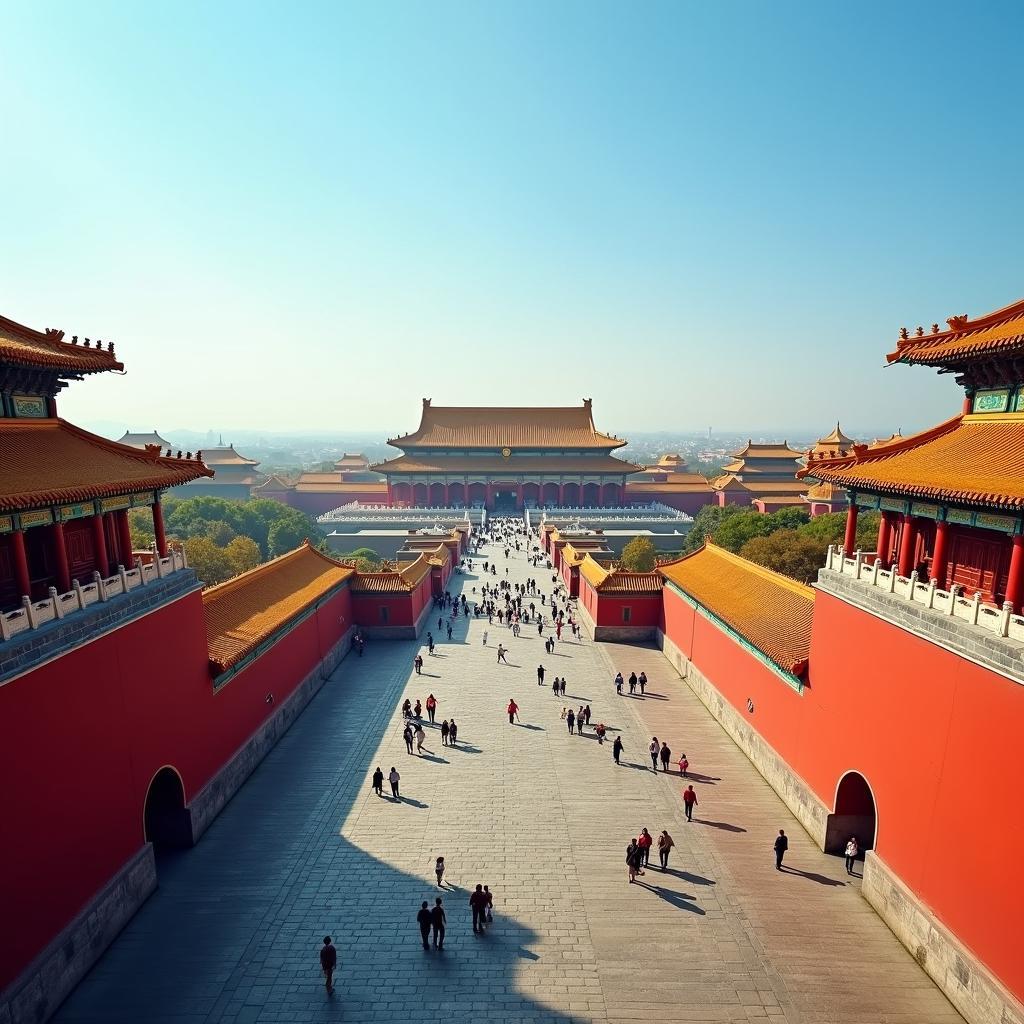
<point>49,979</point>
<point>962,977</point>
<point>1000,654</point>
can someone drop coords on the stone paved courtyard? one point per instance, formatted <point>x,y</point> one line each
<point>306,849</point>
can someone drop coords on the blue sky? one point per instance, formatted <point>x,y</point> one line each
<point>312,215</point>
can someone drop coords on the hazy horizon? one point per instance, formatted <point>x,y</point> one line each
<point>693,214</point>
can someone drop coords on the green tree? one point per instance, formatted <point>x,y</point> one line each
<point>243,553</point>
<point>706,523</point>
<point>787,552</point>
<point>210,562</point>
<point>288,531</point>
<point>639,555</point>
<point>140,521</point>
<point>830,528</point>
<point>220,532</point>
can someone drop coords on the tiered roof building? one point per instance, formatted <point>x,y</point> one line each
<point>761,475</point>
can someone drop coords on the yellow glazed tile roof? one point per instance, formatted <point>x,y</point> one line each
<point>772,612</point>
<point>245,611</point>
<point>997,333</point>
<point>974,459</point>
<point>485,464</point>
<point>524,427</point>
<point>48,462</point>
<point>47,350</point>
<point>407,577</point>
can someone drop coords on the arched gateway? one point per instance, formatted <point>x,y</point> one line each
<point>167,823</point>
<point>854,815</point>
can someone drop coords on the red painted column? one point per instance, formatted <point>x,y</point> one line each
<point>884,538</point>
<point>447,493</point>
<point>158,529</point>
<point>908,541</point>
<point>99,543</point>
<point>60,551</point>
<point>390,502</point>
<point>124,538</point>
<point>1015,577</point>
<point>968,402</point>
<point>940,556</point>
<point>21,577</point>
<point>850,537</point>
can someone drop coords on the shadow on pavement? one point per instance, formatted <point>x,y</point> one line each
<point>812,876</point>
<point>723,825</point>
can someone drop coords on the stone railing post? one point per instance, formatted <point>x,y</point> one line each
<point>101,590</point>
<point>123,573</point>
<point>954,593</point>
<point>913,585</point>
<point>58,611</point>
<point>874,571</point>
<point>30,612</point>
<point>1004,619</point>
<point>858,560</point>
<point>931,593</point>
<point>975,608</point>
<point>892,580</point>
<point>79,595</point>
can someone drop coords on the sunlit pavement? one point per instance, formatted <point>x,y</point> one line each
<point>307,849</point>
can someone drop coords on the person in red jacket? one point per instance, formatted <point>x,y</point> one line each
<point>690,799</point>
<point>644,841</point>
<point>512,708</point>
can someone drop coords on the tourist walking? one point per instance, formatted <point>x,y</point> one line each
<point>632,683</point>
<point>586,714</point>
<point>423,920</point>
<point>453,733</point>
<point>437,922</point>
<point>449,631</point>
<point>485,638</point>
<point>618,683</point>
<point>852,849</point>
<point>444,733</point>
<point>540,675</point>
<point>633,860</point>
<point>431,707</point>
<point>617,749</point>
<point>393,778</point>
<point>579,721</point>
<point>478,904</point>
<point>417,663</point>
<point>666,756</point>
<point>512,710</point>
<point>407,736</point>
<point>665,844</point>
<point>690,801</point>
<point>642,682</point>
<point>501,654</point>
<point>378,782</point>
<point>654,749</point>
<point>430,643</point>
<point>554,686</point>
<point>571,719</point>
<point>563,686</point>
<point>421,737</point>
<point>328,962</point>
<point>439,871</point>
<point>781,846</point>
<point>683,765</point>
<point>489,896</point>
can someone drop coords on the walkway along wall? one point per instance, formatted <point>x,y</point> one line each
<point>86,733</point>
<point>931,732</point>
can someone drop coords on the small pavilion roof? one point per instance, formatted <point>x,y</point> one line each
<point>47,350</point>
<point>769,610</point>
<point>247,610</point>
<point>836,439</point>
<point>134,440</point>
<point>770,450</point>
<point>608,579</point>
<point>507,427</point>
<point>225,455</point>
<point>1000,333</point>
<point>348,461</point>
<point>406,577</point>
<point>975,459</point>
<point>51,461</point>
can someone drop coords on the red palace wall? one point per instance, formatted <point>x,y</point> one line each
<point>927,729</point>
<point>404,609</point>
<point>606,609</point>
<point>96,725</point>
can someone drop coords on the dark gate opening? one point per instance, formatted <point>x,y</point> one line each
<point>168,823</point>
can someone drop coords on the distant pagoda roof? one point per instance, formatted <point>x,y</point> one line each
<point>51,461</point>
<point>835,442</point>
<point>771,450</point>
<point>134,440</point>
<point>47,350</point>
<point>507,427</point>
<point>997,334</point>
<point>348,461</point>
<point>976,459</point>
<point>225,455</point>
